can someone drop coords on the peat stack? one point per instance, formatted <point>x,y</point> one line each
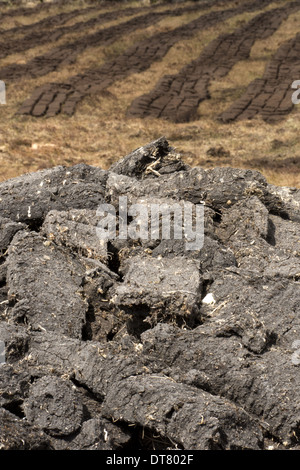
<point>132,343</point>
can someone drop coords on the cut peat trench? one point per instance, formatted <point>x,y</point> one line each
<point>271,95</point>
<point>67,53</point>
<point>49,22</point>
<point>23,11</point>
<point>53,98</point>
<point>177,97</point>
<point>38,34</point>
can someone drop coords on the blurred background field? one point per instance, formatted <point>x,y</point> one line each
<point>99,133</point>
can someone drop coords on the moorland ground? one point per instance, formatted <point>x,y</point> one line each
<point>92,60</point>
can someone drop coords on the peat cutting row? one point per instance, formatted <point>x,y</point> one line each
<point>52,98</point>
<point>177,97</point>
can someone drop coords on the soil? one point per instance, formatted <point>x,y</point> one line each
<point>134,343</point>
<point>52,98</point>
<point>177,97</point>
<point>270,96</point>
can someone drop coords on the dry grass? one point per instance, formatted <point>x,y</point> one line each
<point>99,133</point>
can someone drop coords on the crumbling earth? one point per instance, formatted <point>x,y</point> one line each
<point>143,344</point>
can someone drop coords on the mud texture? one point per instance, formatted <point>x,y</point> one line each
<point>134,343</point>
<point>53,98</point>
<point>177,97</point>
